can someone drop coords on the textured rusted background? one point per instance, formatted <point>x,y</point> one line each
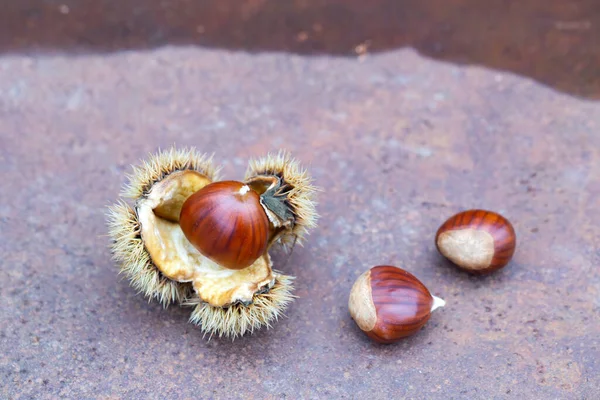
<point>405,113</point>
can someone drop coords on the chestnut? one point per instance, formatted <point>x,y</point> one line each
<point>478,241</point>
<point>226,223</point>
<point>389,303</point>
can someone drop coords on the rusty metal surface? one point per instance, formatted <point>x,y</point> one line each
<point>501,116</point>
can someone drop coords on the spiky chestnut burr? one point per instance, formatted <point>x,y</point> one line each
<point>156,255</point>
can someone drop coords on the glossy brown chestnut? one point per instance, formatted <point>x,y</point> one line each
<point>226,223</point>
<point>478,241</point>
<point>389,303</point>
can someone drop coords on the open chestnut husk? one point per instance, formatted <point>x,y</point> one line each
<point>191,239</point>
<point>389,303</point>
<point>477,241</point>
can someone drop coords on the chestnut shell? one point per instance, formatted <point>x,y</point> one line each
<point>402,302</point>
<point>226,223</point>
<point>389,303</point>
<point>498,227</point>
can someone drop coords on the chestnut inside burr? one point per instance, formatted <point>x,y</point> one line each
<point>226,223</point>
<point>178,259</point>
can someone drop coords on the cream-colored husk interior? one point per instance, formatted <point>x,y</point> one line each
<point>179,260</point>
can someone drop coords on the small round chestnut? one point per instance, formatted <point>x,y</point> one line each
<point>226,223</point>
<point>389,303</point>
<point>478,241</point>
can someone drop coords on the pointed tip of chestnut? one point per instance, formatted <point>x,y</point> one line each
<point>438,302</point>
<point>478,241</point>
<point>226,223</point>
<point>389,303</point>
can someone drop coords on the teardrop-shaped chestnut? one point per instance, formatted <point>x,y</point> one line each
<point>478,241</point>
<point>226,223</point>
<point>389,303</point>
